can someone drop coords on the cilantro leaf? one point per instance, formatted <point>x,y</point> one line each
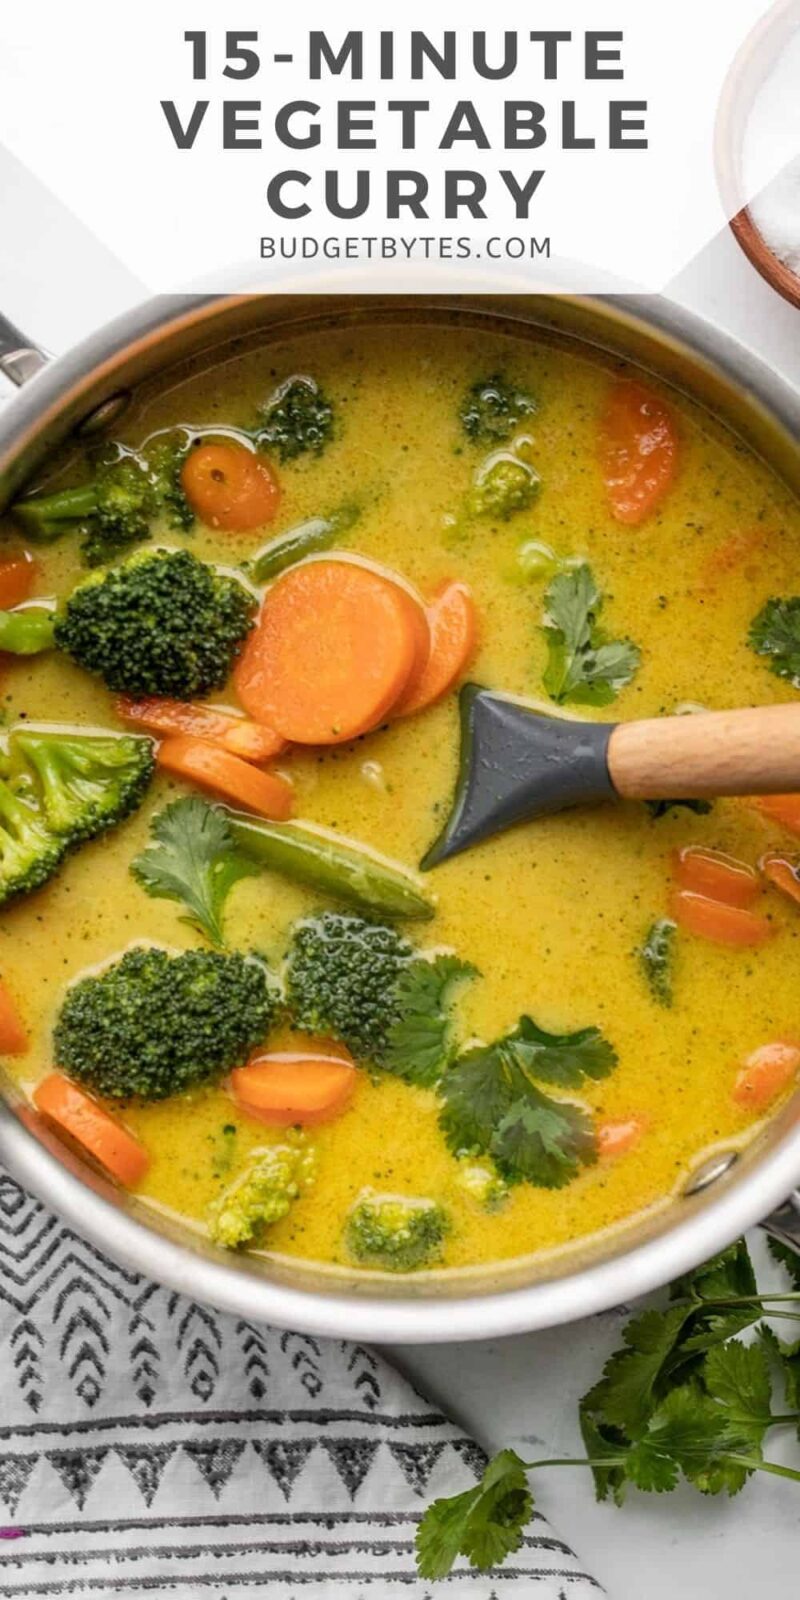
<point>788,1356</point>
<point>193,860</point>
<point>420,1044</point>
<point>582,665</point>
<point>565,1059</point>
<point>787,1353</point>
<point>737,1377</point>
<point>728,1275</point>
<point>543,1141</point>
<point>477,1092</point>
<point>630,1385</point>
<point>687,1433</point>
<point>602,1442</point>
<point>491,1103</point>
<point>775,633</point>
<point>788,1258</point>
<point>656,957</point>
<point>485,1524</point>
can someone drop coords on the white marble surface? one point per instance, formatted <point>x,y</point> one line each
<point>57,284</point>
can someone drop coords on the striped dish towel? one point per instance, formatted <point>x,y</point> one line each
<point>151,1446</point>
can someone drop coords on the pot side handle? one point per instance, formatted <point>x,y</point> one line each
<point>20,358</point>
<point>784,1224</point>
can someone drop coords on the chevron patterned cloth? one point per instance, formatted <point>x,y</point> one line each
<point>151,1446</point>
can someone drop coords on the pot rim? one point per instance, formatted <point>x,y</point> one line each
<point>755,1186</point>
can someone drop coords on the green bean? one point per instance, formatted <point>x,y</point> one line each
<point>44,517</point>
<point>304,540</point>
<point>27,632</point>
<point>341,868</point>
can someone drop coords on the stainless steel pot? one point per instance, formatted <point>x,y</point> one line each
<point>87,390</point>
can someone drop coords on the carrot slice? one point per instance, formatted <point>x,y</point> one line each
<point>716,875</point>
<point>453,629</point>
<point>215,769</point>
<point>85,1121</point>
<point>419,620</point>
<point>332,651</point>
<point>765,1074</point>
<point>722,924</point>
<point>250,740</point>
<point>784,874</point>
<point>781,808</point>
<point>638,451</point>
<point>288,1089</point>
<point>16,581</point>
<point>617,1138</point>
<point>229,487</point>
<point>13,1038</point>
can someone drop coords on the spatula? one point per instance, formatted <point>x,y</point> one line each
<point>517,763</point>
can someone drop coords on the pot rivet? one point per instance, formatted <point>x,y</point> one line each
<point>104,415</point>
<point>710,1172</point>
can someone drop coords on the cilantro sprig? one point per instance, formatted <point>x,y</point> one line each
<point>583,665</point>
<point>193,859</point>
<point>684,1398</point>
<point>492,1102</point>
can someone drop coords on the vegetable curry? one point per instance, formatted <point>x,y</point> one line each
<point>223,975</point>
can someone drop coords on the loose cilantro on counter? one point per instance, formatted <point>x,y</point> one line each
<point>657,956</point>
<point>684,1398</point>
<point>583,666</point>
<point>492,1104</point>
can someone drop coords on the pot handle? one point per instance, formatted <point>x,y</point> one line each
<point>784,1224</point>
<point>20,358</point>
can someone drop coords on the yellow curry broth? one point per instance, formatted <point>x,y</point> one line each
<point>551,914</point>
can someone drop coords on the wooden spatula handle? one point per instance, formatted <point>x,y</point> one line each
<point>708,753</point>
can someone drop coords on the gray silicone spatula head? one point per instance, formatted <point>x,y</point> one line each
<point>517,764</point>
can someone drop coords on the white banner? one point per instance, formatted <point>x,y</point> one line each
<point>566,145</point>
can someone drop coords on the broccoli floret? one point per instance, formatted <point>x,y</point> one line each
<point>115,509</point>
<point>155,1023</point>
<point>341,973</point>
<point>164,623</point>
<point>80,785</point>
<point>89,781</point>
<point>124,505</point>
<point>482,1184</point>
<point>261,1195</point>
<point>164,458</point>
<point>395,1233</point>
<point>493,408</point>
<point>297,418</point>
<point>503,486</point>
<point>29,852</point>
